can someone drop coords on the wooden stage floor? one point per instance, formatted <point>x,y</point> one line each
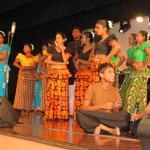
<point>66,134</point>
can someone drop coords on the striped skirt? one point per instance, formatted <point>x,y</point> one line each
<point>57,100</point>
<point>25,91</point>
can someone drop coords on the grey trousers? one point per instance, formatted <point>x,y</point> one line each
<point>89,120</point>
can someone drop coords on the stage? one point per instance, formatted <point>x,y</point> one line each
<point>63,135</point>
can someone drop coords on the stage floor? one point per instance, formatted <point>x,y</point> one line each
<point>66,134</point>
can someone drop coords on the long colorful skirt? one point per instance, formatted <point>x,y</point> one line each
<point>125,84</point>
<point>57,100</point>
<point>43,93</point>
<point>134,89</point>
<point>25,91</point>
<point>94,70</point>
<point>82,81</point>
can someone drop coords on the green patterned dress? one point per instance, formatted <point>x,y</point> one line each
<point>134,87</point>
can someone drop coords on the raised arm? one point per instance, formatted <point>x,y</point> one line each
<point>116,47</point>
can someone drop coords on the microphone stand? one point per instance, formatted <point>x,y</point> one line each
<point>6,70</point>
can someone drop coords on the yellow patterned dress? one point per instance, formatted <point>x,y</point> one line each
<point>25,90</point>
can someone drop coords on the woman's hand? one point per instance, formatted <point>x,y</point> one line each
<point>37,76</point>
<point>67,63</point>
<point>134,117</point>
<point>118,104</point>
<point>23,68</point>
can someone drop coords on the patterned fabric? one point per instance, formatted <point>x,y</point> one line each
<point>134,89</point>
<point>43,93</point>
<point>25,91</point>
<point>82,81</point>
<point>57,100</point>
<point>94,70</point>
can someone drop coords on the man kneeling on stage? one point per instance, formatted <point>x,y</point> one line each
<point>101,111</point>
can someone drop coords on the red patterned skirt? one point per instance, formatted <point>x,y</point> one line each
<point>57,100</point>
<point>94,70</point>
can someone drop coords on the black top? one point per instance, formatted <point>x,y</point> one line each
<point>73,46</point>
<point>84,56</point>
<point>56,56</point>
<point>104,47</point>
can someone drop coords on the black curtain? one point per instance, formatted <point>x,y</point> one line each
<point>40,19</point>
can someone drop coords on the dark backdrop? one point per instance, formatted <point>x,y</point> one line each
<point>39,20</point>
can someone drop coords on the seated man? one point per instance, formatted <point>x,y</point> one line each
<point>101,106</point>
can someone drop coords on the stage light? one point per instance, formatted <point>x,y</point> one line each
<point>139,19</point>
<point>124,26</point>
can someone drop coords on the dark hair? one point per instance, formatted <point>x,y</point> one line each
<point>89,35</point>
<point>77,29</point>
<point>105,65</point>
<point>2,33</point>
<point>63,35</point>
<point>144,33</point>
<point>104,23</point>
<point>52,42</point>
<point>30,46</point>
<point>134,36</point>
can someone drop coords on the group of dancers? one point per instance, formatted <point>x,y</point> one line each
<point>83,59</point>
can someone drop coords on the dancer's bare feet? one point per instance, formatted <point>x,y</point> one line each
<point>115,131</point>
<point>97,130</point>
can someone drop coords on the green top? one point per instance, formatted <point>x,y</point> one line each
<point>139,53</point>
<point>130,52</point>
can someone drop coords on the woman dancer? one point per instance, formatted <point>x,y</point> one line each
<point>26,79</point>
<point>82,76</point>
<point>3,55</point>
<point>140,60</point>
<point>102,50</point>
<point>127,80</point>
<point>57,102</point>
